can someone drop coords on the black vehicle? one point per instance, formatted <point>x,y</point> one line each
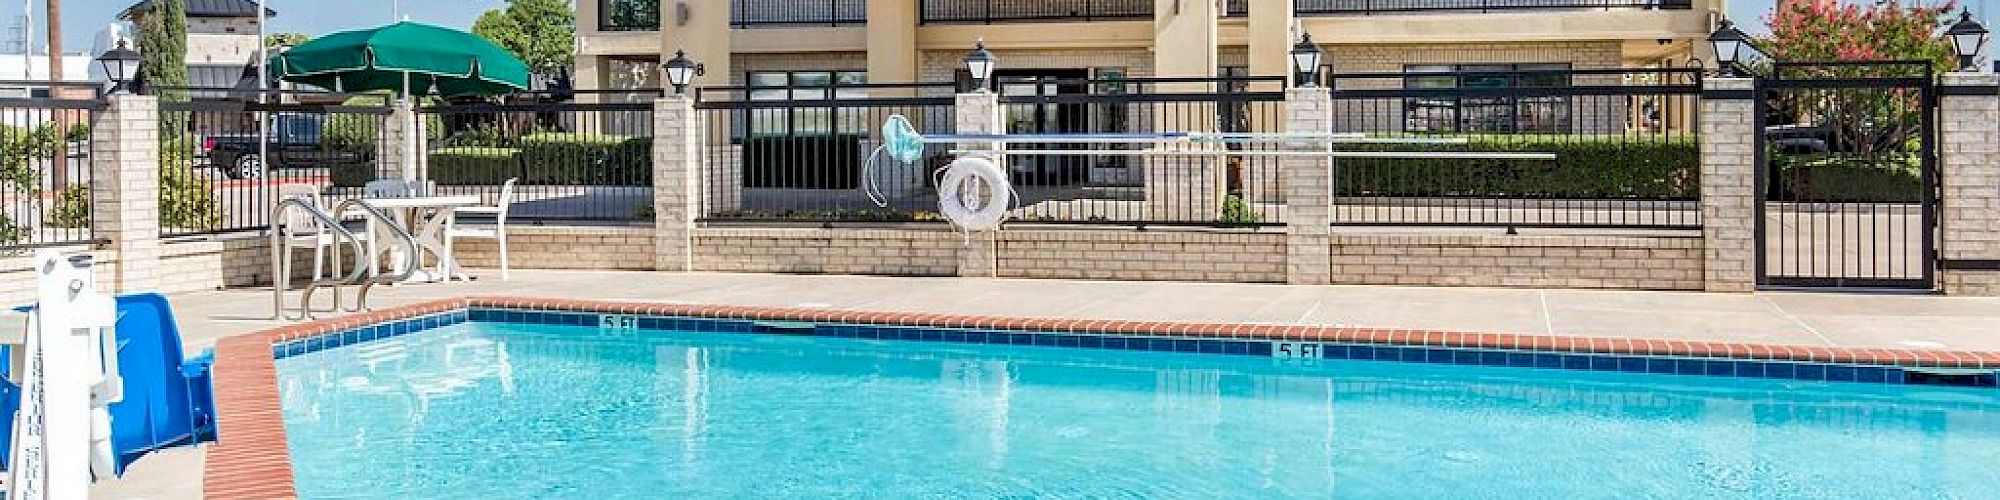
<point>294,143</point>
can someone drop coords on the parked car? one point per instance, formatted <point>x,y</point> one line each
<point>1800,139</point>
<point>294,143</point>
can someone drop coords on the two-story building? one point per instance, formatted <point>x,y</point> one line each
<point>221,39</point>
<point>778,42</point>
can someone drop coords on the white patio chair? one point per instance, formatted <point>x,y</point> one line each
<point>497,232</point>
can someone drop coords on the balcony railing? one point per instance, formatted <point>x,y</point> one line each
<point>992,11</point>
<point>1368,7</point>
<point>774,13</point>
<point>628,15</point>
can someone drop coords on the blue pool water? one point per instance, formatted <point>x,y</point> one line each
<point>500,410</point>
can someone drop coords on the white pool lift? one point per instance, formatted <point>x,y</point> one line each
<point>66,362</point>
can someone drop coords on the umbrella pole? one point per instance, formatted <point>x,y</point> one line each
<point>409,132</point>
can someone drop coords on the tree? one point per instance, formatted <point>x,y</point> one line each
<point>276,41</point>
<point>185,199</point>
<point>1862,121</point>
<point>163,46</point>
<point>540,32</point>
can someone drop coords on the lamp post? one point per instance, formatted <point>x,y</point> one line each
<point>1967,37</point>
<point>1728,42</point>
<point>681,71</point>
<point>119,64</point>
<point>1306,57</point>
<point>980,63</point>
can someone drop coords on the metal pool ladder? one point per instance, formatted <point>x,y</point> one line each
<point>281,252</point>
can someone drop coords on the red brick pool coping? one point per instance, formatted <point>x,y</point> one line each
<point>250,459</point>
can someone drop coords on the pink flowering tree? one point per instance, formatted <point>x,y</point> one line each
<point>1862,121</point>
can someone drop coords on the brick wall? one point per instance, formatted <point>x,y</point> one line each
<point>1652,263</point>
<point>563,247</point>
<point>1143,255</point>
<point>828,251</point>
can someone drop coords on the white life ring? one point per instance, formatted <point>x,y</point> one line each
<point>974,194</point>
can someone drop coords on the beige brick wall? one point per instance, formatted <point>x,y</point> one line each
<point>1143,255</point>
<point>828,251</point>
<point>563,247</point>
<point>1969,156</point>
<point>1372,58</point>
<point>1652,263</point>
<point>939,65</point>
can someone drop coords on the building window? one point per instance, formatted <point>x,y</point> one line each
<point>628,15</point>
<point>806,86</point>
<point>1486,112</point>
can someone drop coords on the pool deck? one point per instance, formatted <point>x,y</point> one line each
<point>1904,322</point>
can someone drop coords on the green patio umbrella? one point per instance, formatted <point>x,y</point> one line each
<point>411,58</point>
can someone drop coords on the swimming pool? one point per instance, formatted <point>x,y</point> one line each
<point>589,406</point>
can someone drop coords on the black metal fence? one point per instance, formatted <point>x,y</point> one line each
<point>991,11</point>
<point>754,13</point>
<point>1367,7</point>
<point>1095,186</point>
<point>1847,184</point>
<point>221,173</point>
<point>1625,142</point>
<point>800,153</point>
<point>570,162</point>
<point>45,164</point>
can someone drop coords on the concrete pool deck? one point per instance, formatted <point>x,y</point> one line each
<point>1809,319</point>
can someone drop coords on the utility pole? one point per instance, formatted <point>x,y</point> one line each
<point>59,177</point>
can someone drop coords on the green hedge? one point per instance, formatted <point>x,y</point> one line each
<point>473,165</point>
<point>1874,179</point>
<point>572,158</point>
<point>1585,167</point>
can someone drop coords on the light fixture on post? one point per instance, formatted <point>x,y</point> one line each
<point>681,71</point>
<point>1306,57</point>
<point>980,63</point>
<point>1728,42</point>
<point>1967,37</point>
<point>119,64</point>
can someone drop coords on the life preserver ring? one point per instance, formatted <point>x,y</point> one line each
<point>973,193</point>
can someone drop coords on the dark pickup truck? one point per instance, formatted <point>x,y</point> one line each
<point>294,144</point>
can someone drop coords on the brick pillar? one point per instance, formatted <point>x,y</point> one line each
<point>125,189</point>
<point>1308,184</point>
<point>1729,184</point>
<point>389,147</point>
<point>676,181</point>
<point>980,113</point>
<point>1969,165</point>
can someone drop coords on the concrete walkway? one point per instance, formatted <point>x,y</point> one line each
<point>1899,321</point>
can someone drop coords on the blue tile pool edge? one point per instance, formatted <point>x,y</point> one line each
<point>1656,365</point>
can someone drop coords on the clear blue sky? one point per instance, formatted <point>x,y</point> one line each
<point>83,18</point>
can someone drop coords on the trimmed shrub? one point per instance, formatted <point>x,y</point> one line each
<point>1585,167</point>
<point>475,166</point>
<point>589,159</point>
<point>186,201</point>
<point>72,209</point>
<point>1845,179</point>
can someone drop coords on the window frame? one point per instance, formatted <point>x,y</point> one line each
<point>1460,114</point>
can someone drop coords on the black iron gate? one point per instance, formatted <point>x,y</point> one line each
<point>1846,179</point>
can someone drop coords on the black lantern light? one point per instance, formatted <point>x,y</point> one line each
<point>1967,37</point>
<point>980,63</point>
<point>1306,57</point>
<point>681,71</point>
<point>1728,43</point>
<point>119,64</point>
